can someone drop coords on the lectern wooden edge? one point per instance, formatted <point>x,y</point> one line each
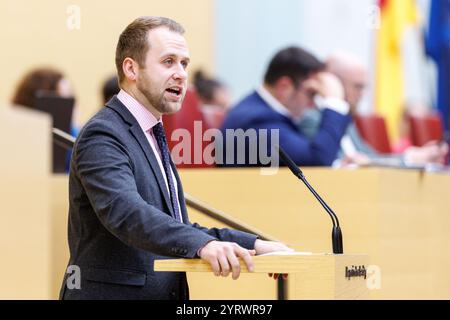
<point>314,276</point>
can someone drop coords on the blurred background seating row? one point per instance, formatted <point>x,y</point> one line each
<point>422,130</point>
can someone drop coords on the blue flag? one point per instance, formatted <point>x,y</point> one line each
<point>438,48</point>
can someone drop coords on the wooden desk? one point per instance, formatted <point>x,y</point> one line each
<point>380,211</point>
<point>435,193</point>
<point>398,217</point>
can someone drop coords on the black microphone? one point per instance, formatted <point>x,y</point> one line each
<point>336,235</point>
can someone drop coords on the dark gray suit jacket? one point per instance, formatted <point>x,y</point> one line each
<point>120,217</point>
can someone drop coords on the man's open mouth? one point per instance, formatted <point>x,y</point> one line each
<point>176,91</point>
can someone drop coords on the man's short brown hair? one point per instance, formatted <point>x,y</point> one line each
<point>133,40</point>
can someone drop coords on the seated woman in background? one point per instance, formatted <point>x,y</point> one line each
<point>44,80</point>
<point>214,99</point>
<point>409,110</point>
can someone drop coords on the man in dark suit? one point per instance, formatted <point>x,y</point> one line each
<point>126,200</point>
<point>294,82</point>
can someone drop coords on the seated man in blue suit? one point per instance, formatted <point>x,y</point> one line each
<point>294,82</point>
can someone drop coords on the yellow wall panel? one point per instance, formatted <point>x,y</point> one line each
<point>35,33</point>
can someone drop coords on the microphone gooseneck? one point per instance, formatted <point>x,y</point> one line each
<point>336,234</point>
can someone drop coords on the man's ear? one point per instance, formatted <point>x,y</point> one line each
<point>130,69</point>
<point>284,87</point>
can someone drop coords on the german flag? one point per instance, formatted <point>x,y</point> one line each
<point>396,15</point>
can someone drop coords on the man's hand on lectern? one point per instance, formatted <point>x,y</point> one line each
<point>223,257</point>
<point>263,247</point>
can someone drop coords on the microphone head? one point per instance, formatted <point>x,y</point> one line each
<point>289,162</point>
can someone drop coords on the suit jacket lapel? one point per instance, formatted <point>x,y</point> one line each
<point>139,135</point>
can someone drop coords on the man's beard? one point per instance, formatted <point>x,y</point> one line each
<point>158,101</point>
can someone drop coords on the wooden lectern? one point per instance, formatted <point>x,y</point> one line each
<point>311,276</point>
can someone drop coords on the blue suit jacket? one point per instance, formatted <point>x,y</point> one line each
<point>120,216</point>
<point>254,113</point>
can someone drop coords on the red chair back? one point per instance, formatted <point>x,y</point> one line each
<point>190,118</point>
<point>214,117</point>
<point>373,130</point>
<point>425,129</point>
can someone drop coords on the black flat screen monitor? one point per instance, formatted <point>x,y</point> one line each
<point>61,111</point>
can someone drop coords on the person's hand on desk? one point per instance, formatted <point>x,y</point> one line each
<point>223,257</point>
<point>357,158</point>
<point>263,247</point>
<point>431,152</point>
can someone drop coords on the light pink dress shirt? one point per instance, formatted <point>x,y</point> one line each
<point>147,121</point>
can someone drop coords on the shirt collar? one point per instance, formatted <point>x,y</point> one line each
<point>143,116</point>
<point>273,103</point>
